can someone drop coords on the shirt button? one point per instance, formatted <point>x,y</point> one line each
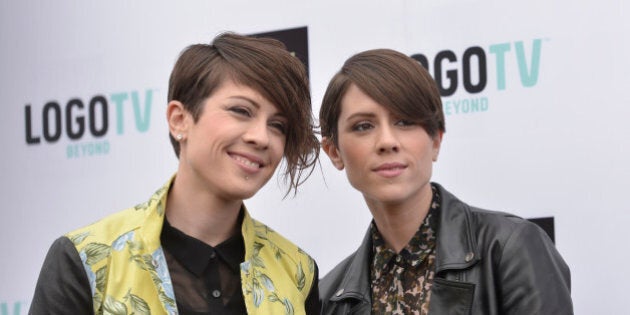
<point>213,254</point>
<point>469,256</point>
<point>398,258</point>
<point>216,293</point>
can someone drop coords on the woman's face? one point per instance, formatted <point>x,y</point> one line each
<point>387,158</point>
<point>236,144</point>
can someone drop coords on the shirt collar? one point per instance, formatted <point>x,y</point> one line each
<point>195,255</point>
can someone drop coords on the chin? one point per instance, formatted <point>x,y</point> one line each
<point>392,194</point>
<point>251,189</point>
<point>239,191</point>
<point>247,192</point>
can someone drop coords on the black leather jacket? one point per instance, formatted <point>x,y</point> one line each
<point>486,263</point>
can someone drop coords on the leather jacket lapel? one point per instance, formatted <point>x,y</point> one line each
<point>456,241</point>
<point>355,284</point>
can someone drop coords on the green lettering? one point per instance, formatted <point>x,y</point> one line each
<point>119,99</point>
<point>529,77</point>
<point>499,50</point>
<point>142,120</point>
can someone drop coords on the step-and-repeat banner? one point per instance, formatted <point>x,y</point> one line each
<point>535,96</point>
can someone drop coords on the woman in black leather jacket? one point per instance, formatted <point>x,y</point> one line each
<point>426,252</point>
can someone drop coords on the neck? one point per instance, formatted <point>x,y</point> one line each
<point>202,215</point>
<point>398,222</point>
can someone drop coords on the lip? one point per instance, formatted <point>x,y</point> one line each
<point>390,169</point>
<point>248,162</point>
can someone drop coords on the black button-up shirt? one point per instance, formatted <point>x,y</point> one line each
<point>206,279</point>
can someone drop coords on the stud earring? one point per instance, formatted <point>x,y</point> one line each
<point>179,137</point>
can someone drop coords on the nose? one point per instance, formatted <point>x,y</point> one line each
<point>387,141</point>
<point>257,134</point>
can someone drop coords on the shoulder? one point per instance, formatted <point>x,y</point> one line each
<point>498,225</point>
<point>532,273</point>
<point>109,226</point>
<point>489,233</point>
<point>507,238</point>
<point>514,252</point>
<point>504,226</point>
<point>63,252</point>
<point>125,221</point>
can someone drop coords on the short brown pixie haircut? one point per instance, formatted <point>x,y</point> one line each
<point>264,65</point>
<point>392,79</point>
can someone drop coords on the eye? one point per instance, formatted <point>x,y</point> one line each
<point>240,110</point>
<point>405,123</point>
<point>362,126</point>
<point>280,126</point>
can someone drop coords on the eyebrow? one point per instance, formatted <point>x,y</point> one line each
<point>361,115</point>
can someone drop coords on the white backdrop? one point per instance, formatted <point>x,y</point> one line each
<point>551,139</point>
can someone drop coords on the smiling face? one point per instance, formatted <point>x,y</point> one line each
<point>387,158</point>
<point>235,145</point>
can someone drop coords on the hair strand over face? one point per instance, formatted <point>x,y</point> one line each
<point>393,80</point>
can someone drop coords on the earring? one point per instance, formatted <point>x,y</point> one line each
<point>179,137</point>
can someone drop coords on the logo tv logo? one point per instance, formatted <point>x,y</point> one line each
<point>470,70</point>
<point>78,118</point>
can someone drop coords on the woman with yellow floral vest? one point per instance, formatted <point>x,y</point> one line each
<point>236,108</point>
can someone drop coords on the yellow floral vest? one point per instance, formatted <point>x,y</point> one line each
<point>127,271</point>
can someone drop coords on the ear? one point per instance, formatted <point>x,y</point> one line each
<point>176,116</point>
<point>333,153</point>
<point>437,143</point>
